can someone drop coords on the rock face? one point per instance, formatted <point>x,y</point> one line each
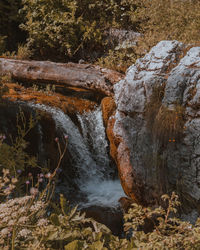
<point>156,127</point>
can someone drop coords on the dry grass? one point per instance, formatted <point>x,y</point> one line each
<point>23,52</point>
<point>154,104</point>
<point>169,123</point>
<point>167,20</point>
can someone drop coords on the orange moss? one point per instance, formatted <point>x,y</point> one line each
<point>111,137</point>
<point>67,104</point>
<point>108,108</point>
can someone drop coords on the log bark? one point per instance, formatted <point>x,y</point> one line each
<point>84,76</point>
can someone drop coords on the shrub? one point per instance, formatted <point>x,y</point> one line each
<point>72,29</point>
<point>13,155</point>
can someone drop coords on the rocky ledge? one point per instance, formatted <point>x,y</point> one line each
<point>156,128</point>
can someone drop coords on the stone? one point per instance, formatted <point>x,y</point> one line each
<point>125,203</point>
<point>108,108</point>
<point>112,139</point>
<point>148,165</point>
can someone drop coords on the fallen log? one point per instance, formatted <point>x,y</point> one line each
<point>84,76</point>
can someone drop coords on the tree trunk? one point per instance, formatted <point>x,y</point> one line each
<point>84,76</point>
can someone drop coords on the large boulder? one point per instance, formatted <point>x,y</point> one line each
<point>157,124</point>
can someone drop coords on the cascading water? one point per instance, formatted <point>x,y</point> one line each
<point>89,150</point>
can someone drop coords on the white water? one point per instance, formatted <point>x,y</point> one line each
<point>89,152</point>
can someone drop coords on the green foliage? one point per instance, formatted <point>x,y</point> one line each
<point>71,230</point>
<point>72,28</point>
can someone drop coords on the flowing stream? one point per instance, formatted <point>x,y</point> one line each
<point>89,149</point>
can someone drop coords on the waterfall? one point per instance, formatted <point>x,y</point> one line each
<point>89,150</point>
<point>94,136</point>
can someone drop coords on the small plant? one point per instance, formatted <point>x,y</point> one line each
<point>10,55</point>
<point>50,89</point>
<point>23,52</point>
<point>13,157</point>
<point>118,60</point>
<point>6,78</point>
<point>35,87</point>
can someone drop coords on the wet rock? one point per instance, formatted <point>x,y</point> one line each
<point>149,165</point>
<point>112,139</point>
<point>108,107</point>
<point>125,203</point>
<point>110,217</point>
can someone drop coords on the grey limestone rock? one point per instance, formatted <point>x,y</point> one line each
<point>171,165</point>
